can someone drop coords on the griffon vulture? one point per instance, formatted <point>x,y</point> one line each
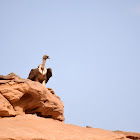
<point>41,74</point>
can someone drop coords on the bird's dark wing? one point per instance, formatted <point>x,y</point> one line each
<point>32,74</point>
<point>49,74</point>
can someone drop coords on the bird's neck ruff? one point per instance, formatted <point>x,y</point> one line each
<point>42,71</point>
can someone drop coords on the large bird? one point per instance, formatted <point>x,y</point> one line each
<point>41,74</point>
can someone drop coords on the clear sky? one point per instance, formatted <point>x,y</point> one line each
<point>94,46</point>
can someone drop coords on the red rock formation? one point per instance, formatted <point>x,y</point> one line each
<point>20,98</point>
<point>23,96</point>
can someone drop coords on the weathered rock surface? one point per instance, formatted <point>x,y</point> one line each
<point>129,135</point>
<point>32,127</point>
<point>22,96</point>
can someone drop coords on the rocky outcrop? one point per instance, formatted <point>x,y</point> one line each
<point>22,96</point>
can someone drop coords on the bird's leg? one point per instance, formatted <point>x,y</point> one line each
<point>43,83</point>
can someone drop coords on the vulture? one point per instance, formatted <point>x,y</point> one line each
<point>41,74</point>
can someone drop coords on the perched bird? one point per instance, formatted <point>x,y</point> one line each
<point>41,74</point>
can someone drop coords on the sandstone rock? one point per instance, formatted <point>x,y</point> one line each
<point>129,135</point>
<point>88,126</point>
<point>23,96</point>
<point>26,100</point>
<point>6,109</point>
<point>32,127</point>
<point>9,76</point>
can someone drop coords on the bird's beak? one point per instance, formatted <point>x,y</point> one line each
<point>48,57</point>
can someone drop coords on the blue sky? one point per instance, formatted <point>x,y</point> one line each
<point>94,48</point>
